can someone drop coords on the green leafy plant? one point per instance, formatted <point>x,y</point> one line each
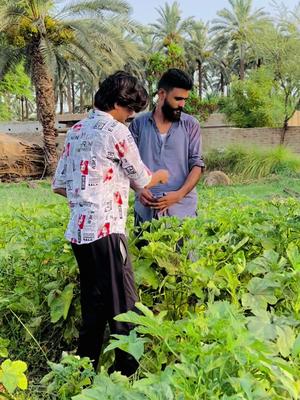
<point>200,108</point>
<point>254,162</point>
<point>69,377</point>
<point>256,101</point>
<point>12,375</point>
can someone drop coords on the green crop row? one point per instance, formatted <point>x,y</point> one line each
<point>219,313</point>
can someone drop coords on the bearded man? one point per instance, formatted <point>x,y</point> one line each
<point>170,139</point>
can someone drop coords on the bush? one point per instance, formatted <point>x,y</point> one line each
<point>201,109</point>
<point>255,102</point>
<point>254,162</point>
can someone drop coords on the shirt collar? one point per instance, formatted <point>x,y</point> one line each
<point>95,112</point>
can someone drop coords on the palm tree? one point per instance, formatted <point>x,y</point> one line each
<point>116,47</point>
<point>235,25</point>
<point>170,27</point>
<point>197,50</point>
<point>34,31</point>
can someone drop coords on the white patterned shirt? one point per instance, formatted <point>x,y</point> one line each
<point>99,160</point>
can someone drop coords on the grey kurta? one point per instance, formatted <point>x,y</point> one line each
<point>180,152</point>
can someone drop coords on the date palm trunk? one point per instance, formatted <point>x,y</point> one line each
<point>200,77</point>
<point>242,62</point>
<point>45,99</point>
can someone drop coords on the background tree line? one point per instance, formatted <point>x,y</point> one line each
<point>245,61</point>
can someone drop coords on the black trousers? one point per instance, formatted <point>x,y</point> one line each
<point>106,290</point>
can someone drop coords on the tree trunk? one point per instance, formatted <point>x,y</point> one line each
<point>26,109</point>
<point>242,63</point>
<point>81,96</point>
<point>259,63</point>
<point>73,92</point>
<point>22,108</point>
<point>45,99</point>
<point>200,77</point>
<point>61,98</point>
<point>69,97</point>
<point>222,84</point>
<point>283,132</point>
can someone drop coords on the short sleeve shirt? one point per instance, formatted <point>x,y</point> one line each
<point>99,160</point>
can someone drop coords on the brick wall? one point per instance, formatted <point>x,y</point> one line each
<point>221,137</point>
<point>218,137</point>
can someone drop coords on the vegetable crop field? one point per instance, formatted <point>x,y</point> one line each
<point>219,315</point>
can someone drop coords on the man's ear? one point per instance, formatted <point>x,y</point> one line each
<point>161,93</point>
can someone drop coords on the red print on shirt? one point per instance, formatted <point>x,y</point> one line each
<point>77,127</point>
<point>108,175</point>
<point>84,167</point>
<point>81,221</point>
<point>104,231</point>
<point>121,148</point>
<point>66,151</point>
<point>118,198</point>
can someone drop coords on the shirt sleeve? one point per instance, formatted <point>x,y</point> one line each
<point>59,180</point>
<point>195,147</point>
<point>130,161</point>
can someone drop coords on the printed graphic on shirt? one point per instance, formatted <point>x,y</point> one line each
<point>84,167</point>
<point>94,169</point>
<point>77,127</point>
<point>118,200</point>
<point>108,175</point>
<point>67,150</point>
<point>81,221</point>
<point>104,230</point>
<point>121,148</point>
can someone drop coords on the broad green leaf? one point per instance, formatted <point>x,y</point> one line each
<point>296,347</point>
<point>131,344</point>
<point>60,302</point>
<point>294,256</point>
<point>12,375</point>
<point>262,327</point>
<point>145,274</point>
<point>285,341</point>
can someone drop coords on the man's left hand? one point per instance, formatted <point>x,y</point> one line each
<point>168,200</point>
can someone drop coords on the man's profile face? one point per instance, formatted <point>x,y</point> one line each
<point>173,102</point>
<point>122,113</point>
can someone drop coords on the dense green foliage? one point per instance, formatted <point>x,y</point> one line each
<point>254,162</point>
<point>201,109</point>
<point>256,101</point>
<point>15,86</point>
<point>220,318</point>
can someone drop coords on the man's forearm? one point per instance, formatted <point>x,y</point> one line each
<point>191,181</point>
<point>60,191</point>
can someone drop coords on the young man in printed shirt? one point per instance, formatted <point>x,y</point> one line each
<point>99,162</point>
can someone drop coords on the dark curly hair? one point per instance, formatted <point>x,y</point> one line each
<point>123,89</point>
<point>175,78</point>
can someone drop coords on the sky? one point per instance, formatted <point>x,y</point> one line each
<point>144,10</point>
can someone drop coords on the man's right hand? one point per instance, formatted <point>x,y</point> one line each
<point>146,198</point>
<point>159,176</point>
<point>163,175</point>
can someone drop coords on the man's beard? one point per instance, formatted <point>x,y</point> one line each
<point>170,113</point>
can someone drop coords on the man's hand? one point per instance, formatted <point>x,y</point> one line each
<point>168,200</point>
<point>146,198</point>
<point>164,175</point>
